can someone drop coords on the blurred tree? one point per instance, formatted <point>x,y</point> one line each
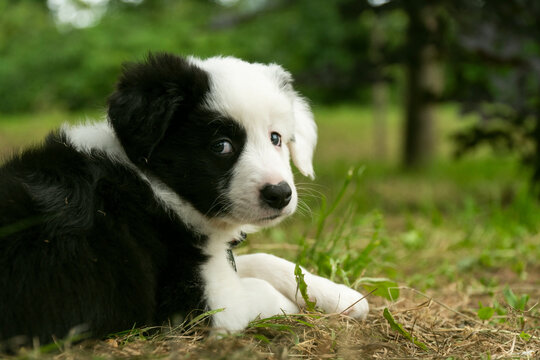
<point>324,43</point>
<point>421,54</point>
<point>496,64</point>
<point>380,91</point>
<point>424,79</point>
<point>46,64</point>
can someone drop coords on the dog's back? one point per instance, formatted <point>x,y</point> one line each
<point>83,243</point>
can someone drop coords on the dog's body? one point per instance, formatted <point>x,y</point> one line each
<point>128,222</point>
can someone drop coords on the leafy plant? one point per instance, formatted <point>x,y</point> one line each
<point>519,304</point>
<point>302,287</point>
<point>383,287</point>
<point>516,303</point>
<point>485,312</point>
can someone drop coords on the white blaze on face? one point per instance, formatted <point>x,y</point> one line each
<point>260,164</point>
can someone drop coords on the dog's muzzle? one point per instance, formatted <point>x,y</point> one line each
<point>276,196</point>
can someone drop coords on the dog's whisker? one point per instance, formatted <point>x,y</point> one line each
<point>304,209</point>
<point>215,203</point>
<point>304,190</point>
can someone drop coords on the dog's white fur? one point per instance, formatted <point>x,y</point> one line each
<point>262,100</point>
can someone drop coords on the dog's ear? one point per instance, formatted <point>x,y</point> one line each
<point>148,97</point>
<point>302,145</point>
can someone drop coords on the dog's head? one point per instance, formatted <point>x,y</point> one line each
<point>219,132</point>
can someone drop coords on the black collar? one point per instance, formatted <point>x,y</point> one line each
<point>232,244</point>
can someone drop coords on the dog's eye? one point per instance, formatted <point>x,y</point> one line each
<point>222,147</point>
<point>275,138</point>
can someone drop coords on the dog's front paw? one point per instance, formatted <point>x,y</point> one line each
<point>254,298</point>
<point>337,298</point>
<point>352,303</point>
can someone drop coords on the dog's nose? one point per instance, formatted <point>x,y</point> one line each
<point>277,196</point>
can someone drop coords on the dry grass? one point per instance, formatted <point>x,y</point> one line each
<point>445,321</point>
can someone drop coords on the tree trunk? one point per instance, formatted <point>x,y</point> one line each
<point>424,84</point>
<point>379,93</point>
<point>380,128</point>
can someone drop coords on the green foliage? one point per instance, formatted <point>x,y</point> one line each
<point>498,81</point>
<point>485,312</point>
<point>59,344</point>
<point>275,323</point>
<point>525,336</point>
<point>332,251</point>
<point>44,67</point>
<point>413,239</point>
<point>383,287</point>
<point>49,65</point>
<point>516,303</point>
<point>199,319</point>
<point>302,287</point>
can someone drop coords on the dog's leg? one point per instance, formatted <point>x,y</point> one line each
<point>330,297</point>
<point>242,299</point>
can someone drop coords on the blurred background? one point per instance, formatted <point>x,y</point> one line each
<point>428,112</point>
<point>392,58</point>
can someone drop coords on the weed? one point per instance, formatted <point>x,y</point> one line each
<point>302,287</point>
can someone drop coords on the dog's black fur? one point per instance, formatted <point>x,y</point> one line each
<point>83,240</point>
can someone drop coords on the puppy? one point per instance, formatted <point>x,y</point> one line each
<point>127,222</point>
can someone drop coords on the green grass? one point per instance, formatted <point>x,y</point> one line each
<point>20,130</point>
<point>450,250</point>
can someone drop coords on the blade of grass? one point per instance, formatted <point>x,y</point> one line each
<point>197,319</point>
<point>302,287</point>
<point>399,329</point>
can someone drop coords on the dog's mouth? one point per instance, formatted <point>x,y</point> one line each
<point>258,221</point>
<point>268,218</point>
<point>247,214</point>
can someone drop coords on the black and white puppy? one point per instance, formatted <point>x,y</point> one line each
<point>127,222</point>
